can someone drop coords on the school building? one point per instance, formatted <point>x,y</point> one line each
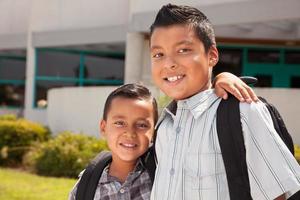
<point>59,59</point>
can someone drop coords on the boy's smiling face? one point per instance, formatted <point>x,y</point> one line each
<point>128,128</point>
<point>180,66</point>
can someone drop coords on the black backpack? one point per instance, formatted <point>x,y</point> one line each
<point>232,146</point>
<point>87,185</point>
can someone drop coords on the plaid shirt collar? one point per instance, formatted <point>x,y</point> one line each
<point>107,178</point>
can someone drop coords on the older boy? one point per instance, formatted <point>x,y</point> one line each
<point>190,164</point>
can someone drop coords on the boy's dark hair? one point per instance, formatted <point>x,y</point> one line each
<point>173,15</point>
<point>131,91</point>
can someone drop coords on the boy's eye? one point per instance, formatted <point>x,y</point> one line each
<point>142,125</point>
<point>184,50</point>
<point>119,123</point>
<point>157,55</point>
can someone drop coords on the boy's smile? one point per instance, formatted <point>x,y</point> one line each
<point>180,65</point>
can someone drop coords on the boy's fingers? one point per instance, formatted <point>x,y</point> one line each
<point>235,92</point>
<point>244,92</point>
<point>252,94</point>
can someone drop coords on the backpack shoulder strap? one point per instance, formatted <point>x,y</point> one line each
<point>149,161</point>
<point>233,150</point>
<point>90,178</point>
<point>149,158</point>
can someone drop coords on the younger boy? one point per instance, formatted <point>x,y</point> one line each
<point>129,116</point>
<point>190,164</point>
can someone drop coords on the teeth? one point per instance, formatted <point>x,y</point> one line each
<point>129,145</point>
<point>174,78</point>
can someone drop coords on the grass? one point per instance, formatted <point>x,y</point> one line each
<point>19,185</point>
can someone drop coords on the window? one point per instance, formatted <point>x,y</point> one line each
<point>263,81</point>
<point>12,80</point>
<point>292,57</point>
<point>295,82</point>
<point>97,68</point>
<point>57,64</point>
<point>263,56</point>
<point>64,68</point>
<point>230,60</point>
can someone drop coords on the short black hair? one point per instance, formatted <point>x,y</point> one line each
<point>186,15</point>
<point>131,91</point>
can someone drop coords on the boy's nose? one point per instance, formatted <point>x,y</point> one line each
<point>130,134</point>
<point>170,63</point>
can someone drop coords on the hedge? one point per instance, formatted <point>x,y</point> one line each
<point>16,137</point>
<point>65,155</point>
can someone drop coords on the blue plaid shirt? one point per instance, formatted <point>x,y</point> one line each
<point>137,186</point>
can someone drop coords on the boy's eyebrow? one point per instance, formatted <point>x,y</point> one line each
<point>187,42</point>
<point>155,47</point>
<point>183,42</point>
<point>118,116</point>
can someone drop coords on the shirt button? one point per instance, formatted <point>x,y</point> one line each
<point>172,171</point>
<point>178,129</point>
<point>122,190</point>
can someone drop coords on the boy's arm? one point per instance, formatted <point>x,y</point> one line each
<point>227,82</point>
<point>273,171</point>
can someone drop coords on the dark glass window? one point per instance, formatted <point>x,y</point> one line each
<point>263,56</point>
<point>292,57</point>
<point>103,68</point>
<point>230,60</point>
<point>12,95</point>
<point>295,82</point>
<point>12,80</point>
<point>12,69</point>
<point>62,68</point>
<point>263,81</point>
<point>43,86</point>
<point>58,64</point>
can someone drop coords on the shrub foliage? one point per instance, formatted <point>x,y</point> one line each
<point>16,137</point>
<point>65,155</point>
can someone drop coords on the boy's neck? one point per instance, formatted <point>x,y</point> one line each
<point>121,169</point>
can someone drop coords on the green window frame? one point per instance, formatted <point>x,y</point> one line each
<point>281,72</point>
<point>79,79</point>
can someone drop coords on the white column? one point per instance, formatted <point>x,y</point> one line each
<point>31,113</point>
<point>134,57</point>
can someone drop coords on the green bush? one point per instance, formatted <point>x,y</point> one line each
<point>65,155</point>
<point>16,137</point>
<point>10,117</point>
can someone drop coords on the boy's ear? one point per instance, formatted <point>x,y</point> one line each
<point>102,126</point>
<point>213,56</point>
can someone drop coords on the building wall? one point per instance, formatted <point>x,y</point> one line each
<point>14,16</point>
<point>77,14</point>
<point>80,109</point>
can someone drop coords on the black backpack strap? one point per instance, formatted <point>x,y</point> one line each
<point>89,180</point>
<point>279,125</point>
<point>150,159</point>
<point>233,150</point>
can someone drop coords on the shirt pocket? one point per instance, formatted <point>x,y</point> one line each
<point>203,171</point>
